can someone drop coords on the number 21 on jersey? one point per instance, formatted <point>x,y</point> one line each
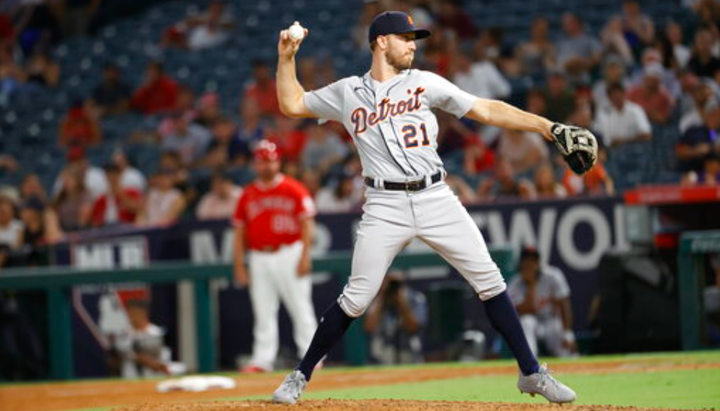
<point>411,138</point>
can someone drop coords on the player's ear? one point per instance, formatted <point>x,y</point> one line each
<point>382,42</point>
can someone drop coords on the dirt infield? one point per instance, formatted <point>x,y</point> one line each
<point>141,395</point>
<point>375,405</point>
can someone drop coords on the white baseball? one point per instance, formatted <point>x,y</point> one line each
<point>296,31</point>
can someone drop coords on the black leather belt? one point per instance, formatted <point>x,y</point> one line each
<point>416,185</point>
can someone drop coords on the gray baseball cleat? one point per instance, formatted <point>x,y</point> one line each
<point>544,384</point>
<point>291,388</point>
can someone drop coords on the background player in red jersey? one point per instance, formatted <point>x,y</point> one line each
<point>274,224</point>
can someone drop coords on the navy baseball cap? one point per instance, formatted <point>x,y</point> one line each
<point>394,22</point>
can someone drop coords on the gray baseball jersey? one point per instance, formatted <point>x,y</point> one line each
<point>392,122</point>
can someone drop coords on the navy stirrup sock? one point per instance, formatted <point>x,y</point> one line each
<point>332,327</point>
<point>504,318</point>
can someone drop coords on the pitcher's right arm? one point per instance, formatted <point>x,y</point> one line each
<point>289,90</point>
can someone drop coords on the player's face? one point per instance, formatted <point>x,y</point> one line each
<point>400,51</point>
<point>266,170</point>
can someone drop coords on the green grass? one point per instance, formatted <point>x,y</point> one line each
<point>686,389</point>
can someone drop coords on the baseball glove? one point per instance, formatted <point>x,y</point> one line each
<point>578,146</point>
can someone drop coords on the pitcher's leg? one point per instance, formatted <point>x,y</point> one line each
<point>378,241</point>
<point>448,228</point>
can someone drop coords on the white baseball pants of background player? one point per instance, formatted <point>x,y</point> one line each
<point>548,330</point>
<point>273,278</point>
<point>391,219</point>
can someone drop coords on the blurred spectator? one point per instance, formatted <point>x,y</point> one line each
<point>31,188</point>
<point>185,107</point>
<point>202,31</point>
<point>370,9</point>
<point>613,72</point>
<point>577,51</point>
<point>694,146</point>
<point>638,28</point>
<point>545,184</point>
<point>674,36</point>
<point>595,182</point>
<point>8,163</point>
<point>77,162</point>
<point>208,109</point>
<point>80,127</point>
<point>171,162</point>
<point>614,42</point>
<point>340,198</point>
<point>705,110</point>
<point>621,121</point>
<point>139,351</point>
<point>462,189</point>
<point>7,36</point>
<point>163,203</point>
<point>220,202</point>
<point>558,96</point>
<point>395,322</point>
<point>12,79</point>
<point>438,52</point>
<point>157,94</point>
<point>120,205</point>
<point>73,204</point>
<point>479,77</point>
<point>78,16</point>
<point>43,71</point>
<point>542,298</point>
<point>289,137</point>
<point>234,151</point>
<point>112,95</point>
<point>708,12</point>
<point>652,96</point>
<point>130,177</point>
<point>703,62</point>
<point>323,149</point>
<point>478,157</point>
<point>261,89</point>
<point>709,175</point>
<point>309,178</point>
<point>451,17</point>
<point>419,10</point>
<point>252,127</point>
<point>41,228</point>
<point>652,61</point>
<point>10,227</point>
<point>36,22</point>
<point>503,184</point>
<point>522,149</point>
<point>537,55</point>
<point>188,139</point>
<point>453,134</point>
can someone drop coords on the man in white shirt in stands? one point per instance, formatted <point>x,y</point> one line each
<point>622,121</point>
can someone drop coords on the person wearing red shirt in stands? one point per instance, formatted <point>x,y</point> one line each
<point>80,127</point>
<point>119,205</point>
<point>262,89</point>
<point>158,93</point>
<point>274,224</point>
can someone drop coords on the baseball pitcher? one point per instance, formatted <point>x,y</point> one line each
<point>388,112</point>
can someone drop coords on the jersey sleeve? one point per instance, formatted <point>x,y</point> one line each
<point>240,216</point>
<point>327,102</point>
<point>447,96</point>
<point>560,289</point>
<point>304,203</point>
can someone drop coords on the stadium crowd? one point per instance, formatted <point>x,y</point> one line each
<point>621,81</point>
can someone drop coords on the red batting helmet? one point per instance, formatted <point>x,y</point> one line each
<point>266,150</point>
